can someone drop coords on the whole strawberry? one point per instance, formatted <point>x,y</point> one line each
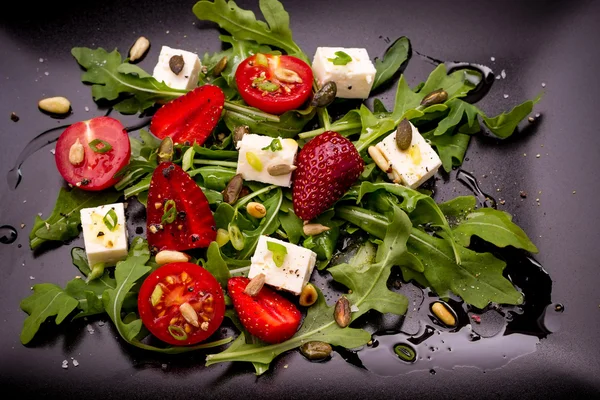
<point>327,166</point>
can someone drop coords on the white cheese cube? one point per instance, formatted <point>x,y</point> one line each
<point>103,244</point>
<point>187,79</point>
<point>258,147</point>
<point>416,164</point>
<point>353,80</point>
<point>293,274</point>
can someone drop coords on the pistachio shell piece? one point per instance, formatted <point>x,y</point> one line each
<point>239,132</point>
<point>165,150</point>
<point>342,312</point>
<point>308,296</point>
<point>404,135</point>
<point>233,189</point>
<point>436,97</point>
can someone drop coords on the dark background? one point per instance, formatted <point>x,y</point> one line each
<point>533,41</point>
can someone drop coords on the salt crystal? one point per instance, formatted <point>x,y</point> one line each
<point>87,109</point>
<point>90,330</point>
<point>354,308</point>
<point>503,74</point>
<point>65,364</point>
<point>505,96</point>
<point>493,58</point>
<point>164,366</point>
<point>46,73</point>
<point>53,151</point>
<point>167,32</point>
<point>31,277</point>
<point>41,59</point>
<point>100,323</point>
<point>75,362</point>
<point>543,84</point>
<point>538,115</point>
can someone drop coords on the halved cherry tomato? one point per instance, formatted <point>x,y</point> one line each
<point>181,303</point>
<point>274,84</point>
<point>269,316</point>
<point>178,216</point>
<point>89,153</point>
<point>189,118</point>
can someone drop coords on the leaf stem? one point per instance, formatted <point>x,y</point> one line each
<point>230,164</point>
<point>250,112</point>
<point>339,128</point>
<point>252,195</point>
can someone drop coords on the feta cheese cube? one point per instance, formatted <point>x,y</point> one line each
<point>416,164</point>
<point>353,80</point>
<point>187,79</point>
<point>256,156</point>
<point>101,243</point>
<point>295,272</point>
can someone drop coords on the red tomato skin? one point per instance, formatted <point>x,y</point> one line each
<point>202,281</point>
<point>198,228</point>
<point>269,316</point>
<point>97,170</point>
<point>280,101</point>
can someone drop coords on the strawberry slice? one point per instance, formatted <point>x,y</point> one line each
<point>178,214</point>
<point>191,117</point>
<point>268,315</point>
<point>327,166</point>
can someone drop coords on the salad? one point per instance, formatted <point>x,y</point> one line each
<point>252,190</point>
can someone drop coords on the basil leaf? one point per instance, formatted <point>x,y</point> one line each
<point>243,25</point>
<point>395,57</point>
<point>340,58</point>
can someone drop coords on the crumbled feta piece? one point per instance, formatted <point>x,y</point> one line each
<point>353,80</point>
<point>293,274</point>
<point>187,79</point>
<point>416,164</point>
<point>101,243</point>
<point>256,155</point>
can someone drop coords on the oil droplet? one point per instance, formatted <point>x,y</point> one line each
<point>470,181</point>
<point>8,234</point>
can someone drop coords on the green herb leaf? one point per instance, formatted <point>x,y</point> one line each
<point>372,128</point>
<point>279,252</point>
<point>495,227</point>
<point>394,58</point>
<point>216,265</point>
<point>47,300</point>
<point>105,148</point>
<point>243,25</point>
<point>292,225</point>
<point>450,147</point>
<point>340,58</point>
<point>288,125</point>
<point>111,80</point>
<point>63,223</point>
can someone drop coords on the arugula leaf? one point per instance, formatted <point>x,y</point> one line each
<point>495,227</point>
<point>478,280</point>
<point>456,209</point>
<point>369,282</point>
<point>504,125</point>
<point>216,265</point>
<point>450,147</point>
<point>372,128</point>
<point>243,25</point>
<point>288,125</point>
<point>394,58</point>
<point>317,326</point>
<point>458,108</point>
<point>63,223</point>
<point>47,300</point>
<point>110,79</point>
<point>455,84</point>
<point>292,225</point>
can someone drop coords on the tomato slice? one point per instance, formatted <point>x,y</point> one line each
<point>269,316</point>
<point>178,216</point>
<point>89,153</point>
<point>274,84</point>
<point>181,303</point>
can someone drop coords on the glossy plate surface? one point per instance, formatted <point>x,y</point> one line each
<point>534,42</point>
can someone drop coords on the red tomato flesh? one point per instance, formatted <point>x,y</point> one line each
<point>97,169</point>
<point>165,291</point>
<point>274,84</point>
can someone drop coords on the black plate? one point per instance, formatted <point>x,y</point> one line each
<point>534,42</point>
